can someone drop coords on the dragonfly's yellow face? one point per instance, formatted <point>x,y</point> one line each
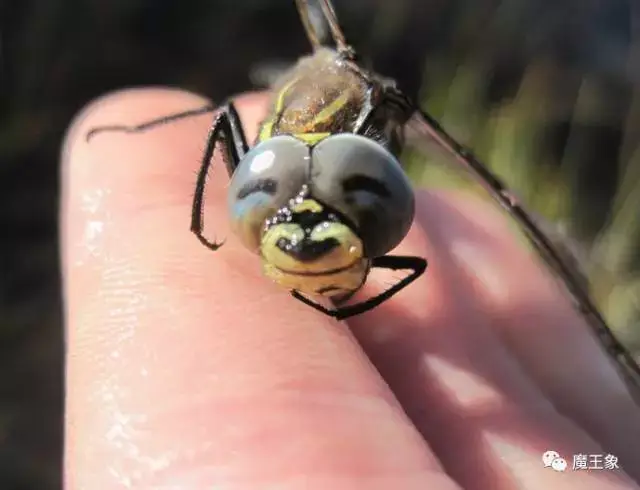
<point>311,251</point>
<point>318,214</point>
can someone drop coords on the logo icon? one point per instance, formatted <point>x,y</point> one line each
<point>548,457</point>
<point>559,464</point>
<point>551,459</point>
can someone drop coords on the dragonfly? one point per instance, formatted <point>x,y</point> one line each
<point>321,196</point>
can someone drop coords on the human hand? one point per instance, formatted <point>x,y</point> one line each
<point>188,369</point>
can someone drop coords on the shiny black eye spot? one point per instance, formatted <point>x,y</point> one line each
<point>268,186</point>
<point>364,183</point>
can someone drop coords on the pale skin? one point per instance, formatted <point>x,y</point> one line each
<point>188,369</point>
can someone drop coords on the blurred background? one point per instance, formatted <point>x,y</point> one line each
<point>547,91</point>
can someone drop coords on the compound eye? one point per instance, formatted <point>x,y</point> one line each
<point>366,183</point>
<point>268,176</point>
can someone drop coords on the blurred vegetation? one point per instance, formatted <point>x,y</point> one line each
<point>546,91</point>
<point>564,138</point>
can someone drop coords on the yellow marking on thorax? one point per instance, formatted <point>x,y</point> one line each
<point>328,112</point>
<point>306,133</point>
<point>267,128</point>
<point>311,138</point>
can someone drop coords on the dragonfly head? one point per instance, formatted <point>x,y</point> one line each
<point>317,214</point>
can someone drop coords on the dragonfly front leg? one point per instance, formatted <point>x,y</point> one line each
<point>226,130</point>
<point>145,126</point>
<point>416,265</point>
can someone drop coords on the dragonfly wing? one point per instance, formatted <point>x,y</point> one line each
<point>425,131</point>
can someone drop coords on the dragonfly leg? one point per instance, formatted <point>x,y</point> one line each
<point>383,93</point>
<point>392,262</point>
<point>145,126</point>
<point>226,129</point>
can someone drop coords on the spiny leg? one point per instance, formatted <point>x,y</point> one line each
<point>428,126</point>
<point>361,125</point>
<point>392,262</point>
<point>226,129</point>
<point>149,124</point>
<point>381,92</point>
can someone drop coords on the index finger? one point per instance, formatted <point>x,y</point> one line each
<point>186,367</point>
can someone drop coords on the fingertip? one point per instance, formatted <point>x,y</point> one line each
<point>184,344</point>
<point>82,144</point>
<point>82,175</point>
